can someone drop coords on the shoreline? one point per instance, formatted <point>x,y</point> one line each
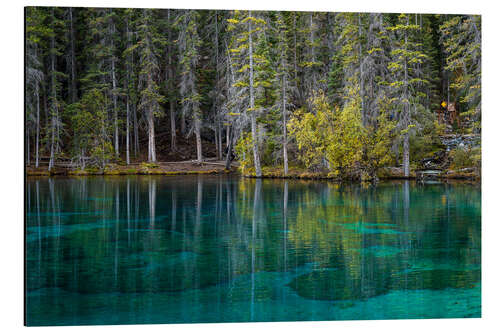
<point>186,168</point>
<point>385,174</point>
<point>160,168</point>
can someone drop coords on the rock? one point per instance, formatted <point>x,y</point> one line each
<point>428,174</point>
<point>452,141</point>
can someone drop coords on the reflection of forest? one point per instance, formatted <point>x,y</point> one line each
<point>160,234</point>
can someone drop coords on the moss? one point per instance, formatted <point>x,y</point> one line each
<point>113,172</point>
<point>37,172</point>
<point>92,171</point>
<point>78,172</point>
<point>149,165</point>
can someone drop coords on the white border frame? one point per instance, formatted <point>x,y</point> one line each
<point>12,163</point>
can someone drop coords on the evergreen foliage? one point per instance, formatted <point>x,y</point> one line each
<point>344,93</point>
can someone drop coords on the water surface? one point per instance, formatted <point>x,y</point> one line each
<point>190,249</point>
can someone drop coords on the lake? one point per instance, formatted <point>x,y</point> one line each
<point>193,249</point>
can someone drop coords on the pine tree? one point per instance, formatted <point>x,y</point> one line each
<point>35,33</point>
<point>461,37</point>
<point>283,78</point>
<point>92,146</point>
<point>56,103</point>
<point>149,75</point>
<point>405,55</point>
<point>189,43</point>
<point>247,29</point>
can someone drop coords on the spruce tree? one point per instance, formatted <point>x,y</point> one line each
<point>405,55</point>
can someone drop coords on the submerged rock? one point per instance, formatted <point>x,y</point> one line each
<point>437,279</point>
<point>336,285</point>
<point>339,285</point>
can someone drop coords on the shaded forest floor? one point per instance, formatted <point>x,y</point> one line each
<point>161,168</point>
<point>171,162</point>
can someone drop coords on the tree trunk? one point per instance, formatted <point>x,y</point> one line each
<point>295,47</point>
<point>173,134</point>
<point>37,143</point>
<point>361,75</point>
<point>258,171</point>
<point>127,90</point>
<point>115,109</point>
<point>230,134</point>
<point>183,123</point>
<point>53,102</point>
<point>216,102</point>
<point>127,133</point>
<point>136,130</point>
<point>220,139</point>
<point>51,161</point>
<point>28,145</point>
<point>216,138</point>
<point>406,137</point>
<point>197,125</point>
<point>151,138</point>
<point>285,152</point>
<point>406,154</point>
<point>171,81</point>
<point>73,92</point>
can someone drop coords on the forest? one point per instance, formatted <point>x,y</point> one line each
<point>345,94</point>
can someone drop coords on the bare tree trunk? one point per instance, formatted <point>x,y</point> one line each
<point>229,147</point>
<point>220,138</point>
<point>151,138</point>
<point>127,133</point>
<point>197,125</point>
<point>127,89</point>
<point>52,148</point>
<point>54,104</point>
<point>361,79</point>
<point>258,171</point>
<point>216,103</point>
<point>115,109</point>
<point>216,138</point>
<point>406,154</point>
<point>183,123</point>
<point>173,135</point>
<point>295,47</point>
<point>170,71</point>
<point>285,152</point>
<point>28,145</point>
<point>135,142</point>
<point>73,92</point>
<point>37,143</point>
<point>197,117</point>
<point>136,131</point>
<point>406,136</point>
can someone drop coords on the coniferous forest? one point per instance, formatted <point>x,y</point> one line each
<point>197,106</point>
<point>350,95</point>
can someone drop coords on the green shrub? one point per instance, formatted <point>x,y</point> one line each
<point>465,158</point>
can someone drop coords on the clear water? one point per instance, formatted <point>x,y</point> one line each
<point>129,250</point>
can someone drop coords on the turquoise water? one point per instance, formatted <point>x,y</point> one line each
<point>192,249</point>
